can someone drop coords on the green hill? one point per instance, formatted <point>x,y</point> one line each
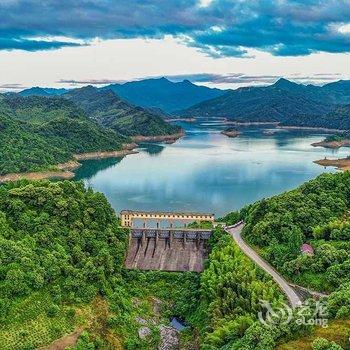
<point>337,118</point>
<point>257,104</point>
<point>37,133</point>
<point>285,102</point>
<point>110,111</point>
<point>61,253</point>
<point>39,109</point>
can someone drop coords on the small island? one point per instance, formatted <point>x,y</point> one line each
<point>231,132</point>
<point>340,164</point>
<point>334,141</point>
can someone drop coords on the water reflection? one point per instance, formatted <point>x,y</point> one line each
<point>152,148</point>
<point>206,171</point>
<point>91,167</point>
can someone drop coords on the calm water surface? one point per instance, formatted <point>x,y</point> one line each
<point>206,171</point>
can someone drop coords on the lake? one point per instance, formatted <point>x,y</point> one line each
<point>208,172</point>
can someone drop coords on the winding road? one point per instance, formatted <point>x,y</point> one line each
<point>235,232</point>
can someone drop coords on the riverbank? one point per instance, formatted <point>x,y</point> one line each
<point>309,128</point>
<point>332,144</point>
<point>159,138</point>
<point>65,171</point>
<point>340,164</point>
<point>232,122</point>
<point>187,120</point>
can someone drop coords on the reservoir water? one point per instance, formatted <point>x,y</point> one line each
<point>208,172</point>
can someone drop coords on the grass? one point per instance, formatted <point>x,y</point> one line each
<point>337,331</point>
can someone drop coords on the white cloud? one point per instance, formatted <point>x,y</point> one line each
<point>135,58</point>
<point>205,3</point>
<point>344,29</point>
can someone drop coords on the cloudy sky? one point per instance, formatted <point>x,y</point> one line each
<point>224,43</point>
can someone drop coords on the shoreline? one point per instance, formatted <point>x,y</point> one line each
<point>332,144</point>
<point>310,128</point>
<point>65,171</point>
<point>340,163</point>
<point>188,120</point>
<point>232,122</point>
<point>159,138</point>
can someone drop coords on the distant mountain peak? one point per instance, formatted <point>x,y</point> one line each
<point>283,82</point>
<point>186,81</point>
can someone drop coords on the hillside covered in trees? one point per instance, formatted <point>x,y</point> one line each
<point>37,133</point>
<point>337,118</point>
<point>62,270</point>
<point>110,111</point>
<point>316,213</point>
<point>62,254</point>
<point>258,104</point>
<point>40,132</point>
<point>285,102</point>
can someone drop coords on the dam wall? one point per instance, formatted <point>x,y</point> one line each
<point>167,250</point>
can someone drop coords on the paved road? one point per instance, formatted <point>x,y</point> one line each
<point>292,296</point>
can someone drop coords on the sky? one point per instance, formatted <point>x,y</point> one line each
<point>222,43</point>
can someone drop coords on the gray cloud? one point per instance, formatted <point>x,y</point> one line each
<point>12,86</point>
<point>224,28</point>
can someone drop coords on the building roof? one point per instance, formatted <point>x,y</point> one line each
<point>164,213</point>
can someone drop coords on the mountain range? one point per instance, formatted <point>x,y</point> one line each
<point>284,101</point>
<point>110,111</point>
<point>149,93</point>
<point>164,94</point>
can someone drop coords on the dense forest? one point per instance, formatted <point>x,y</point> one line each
<point>62,255</point>
<point>285,102</point>
<point>111,111</point>
<point>316,213</point>
<point>337,118</point>
<point>37,133</point>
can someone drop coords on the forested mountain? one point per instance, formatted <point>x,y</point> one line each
<point>164,94</point>
<point>337,92</point>
<point>337,118</point>
<point>111,111</point>
<point>39,109</point>
<point>39,91</point>
<point>258,104</point>
<point>37,133</point>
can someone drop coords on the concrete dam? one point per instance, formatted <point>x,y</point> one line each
<point>168,249</point>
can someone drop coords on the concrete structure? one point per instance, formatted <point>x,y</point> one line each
<point>127,217</point>
<point>167,249</point>
<point>170,248</point>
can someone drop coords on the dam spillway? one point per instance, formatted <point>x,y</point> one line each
<point>167,249</point>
